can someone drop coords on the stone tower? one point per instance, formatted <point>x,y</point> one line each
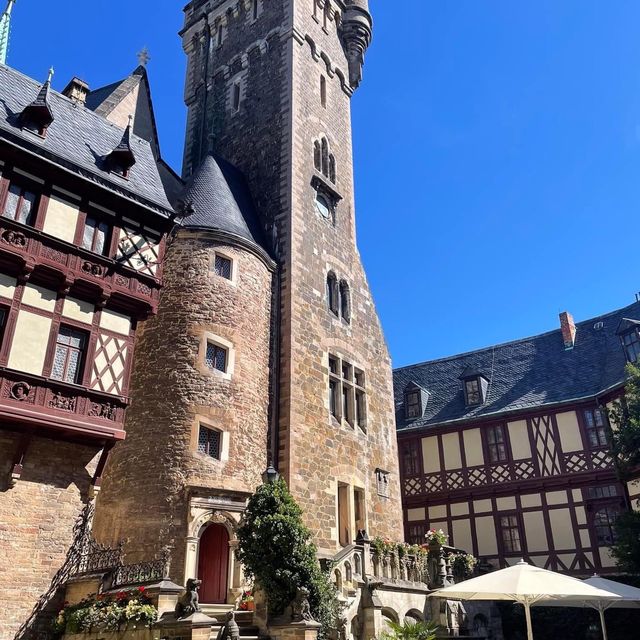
<point>270,82</point>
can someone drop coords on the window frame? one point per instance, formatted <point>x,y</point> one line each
<point>15,179</point>
<point>633,344</point>
<point>467,393</point>
<point>600,432</point>
<point>415,449</point>
<point>608,508</point>
<point>207,339</point>
<point>347,399</point>
<point>333,294</point>
<point>514,524</point>
<point>408,405</point>
<point>81,371</point>
<point>492,448</point>
<point>217,349</point>
<point>83,219</point>
<point>219,255</point>
<point>202,427</point>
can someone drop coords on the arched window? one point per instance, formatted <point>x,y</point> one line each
<point>332,293</point>
<point>323,91</point>
<point>345,301</point>
<point>317,156</point>
<point>332,168</point>
<point>325,157</point>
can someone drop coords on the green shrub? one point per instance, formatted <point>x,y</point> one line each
<point>409,630</point>
<point>275,549</point>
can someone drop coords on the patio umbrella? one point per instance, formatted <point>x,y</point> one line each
<point>628,598</point>
<point>527,585</point>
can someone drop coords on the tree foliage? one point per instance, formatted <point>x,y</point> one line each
<point>409,630</point>
<point>276,550</point>
<point>625,418</point>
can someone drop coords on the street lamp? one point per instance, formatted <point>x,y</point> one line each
<point>270,476</point>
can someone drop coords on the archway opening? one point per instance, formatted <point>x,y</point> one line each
<point>213,564</point>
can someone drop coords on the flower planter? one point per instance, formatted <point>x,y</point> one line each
<point>124,634</point>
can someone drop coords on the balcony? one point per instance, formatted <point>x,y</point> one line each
<point>45,405</point>
<point>73,265</point>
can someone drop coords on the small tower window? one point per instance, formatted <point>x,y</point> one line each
<point>472,391</point>
<point>631,344</point>
<point>219,36</point>
<point>216,357</point>
<point>323,91</point>
<point>255,9</point>
<point>223,267</point>
<point>235,96</point>
<point>332,293</point>
<point>332,168</point>
<point>317,156</point>
<point>209,442</point>
<point>325,157</point>
<point>345,302</point>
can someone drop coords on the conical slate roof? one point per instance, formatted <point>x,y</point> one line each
<point>217,198</point>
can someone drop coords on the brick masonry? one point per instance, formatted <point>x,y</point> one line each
<point>36,522</point>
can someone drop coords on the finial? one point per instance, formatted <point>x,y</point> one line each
<point>50,76</point>
<point>5,28</point>
<point>143,57</point>
<point>130,120</point>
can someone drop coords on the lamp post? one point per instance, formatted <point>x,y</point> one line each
<point>270,476</point>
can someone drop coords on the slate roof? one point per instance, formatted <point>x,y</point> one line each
<point>80,140</point>
<point>522,375</point>
<point>219,195</point>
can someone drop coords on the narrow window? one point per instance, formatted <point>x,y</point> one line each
<point>323,91</point>
<point>223,267</point>
<point>216,357</point>
<point>334,388</point>
<point>410,459</point>
<point>255,9</point>
<point>68,359</point>
<point>345,302</point>
<point>332,169</point>
<point>631,344</point>
<point>236,96</point>
<point>325,157</point>
<point>473,392</point>
<point>317,156</point>
<point>361,399</point>
<point>95,236</point>
<point>609,491</point>
<point>596,426</point>
<point>344,521</point>
<point>360,516</point>
<point>416,534</point>
<point>496,444</point>
<point>604,525</point>
<point>209,442</point>
<point>382,483</point>
<point>20,205</point>
<point>3,322</point>
<point>332,293</point>
<point>413,404</point>
<point>219,36</point>
<point>510,531</point>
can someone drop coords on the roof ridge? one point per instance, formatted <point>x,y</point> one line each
<point>516,341</point>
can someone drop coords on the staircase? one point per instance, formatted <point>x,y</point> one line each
<point>248,631</point>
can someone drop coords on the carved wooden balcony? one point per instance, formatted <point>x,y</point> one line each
<point>34,403</point>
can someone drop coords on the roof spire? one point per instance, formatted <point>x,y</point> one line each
<point>122,158</point>
<point>143,57</point>
<point>39,112</point>
<point>5,28</point>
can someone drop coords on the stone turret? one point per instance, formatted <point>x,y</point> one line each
<point>356,31</point>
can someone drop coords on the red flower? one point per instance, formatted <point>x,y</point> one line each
<point>141,589</point>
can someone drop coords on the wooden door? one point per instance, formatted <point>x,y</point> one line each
<point>213,564</point>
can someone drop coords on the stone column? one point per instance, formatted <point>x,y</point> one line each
<point>191,558</point>
<point>306,630</point>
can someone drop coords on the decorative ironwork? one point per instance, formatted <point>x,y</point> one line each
<point>97,558</point>
<point>143,572</point>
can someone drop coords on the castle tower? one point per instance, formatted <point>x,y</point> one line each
<point>270,81</point>
<point>197,427</point>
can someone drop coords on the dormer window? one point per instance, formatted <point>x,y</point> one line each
<point>415,401</point>
<point>475,387</point>
<point>628,331</point>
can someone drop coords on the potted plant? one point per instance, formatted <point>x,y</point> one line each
<point>247,601</point>
<point>436,538</point>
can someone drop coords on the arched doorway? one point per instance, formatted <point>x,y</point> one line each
<point>213,564</point>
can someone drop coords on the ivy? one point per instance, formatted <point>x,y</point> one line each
<point>276,551</point>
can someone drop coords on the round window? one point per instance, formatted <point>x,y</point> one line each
<point>323,207</point>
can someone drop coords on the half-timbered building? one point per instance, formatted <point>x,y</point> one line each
<point>83,216</point>
<point>507,448</point>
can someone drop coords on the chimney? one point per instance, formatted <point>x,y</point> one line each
<point>77,90</point>
<point>568,327</point>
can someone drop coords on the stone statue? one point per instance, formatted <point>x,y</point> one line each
<point>189,603</point>
<point>301,609</point>
<point>230,630</point>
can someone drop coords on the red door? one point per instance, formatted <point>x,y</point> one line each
<point>213,564</point>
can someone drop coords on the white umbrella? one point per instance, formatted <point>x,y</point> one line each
<point>628,598</point>
<point>527,585</point>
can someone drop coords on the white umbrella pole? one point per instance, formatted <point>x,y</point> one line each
<point>527,612</point>
<point>602,622</point>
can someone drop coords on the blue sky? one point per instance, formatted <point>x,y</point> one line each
<point>497,148</point>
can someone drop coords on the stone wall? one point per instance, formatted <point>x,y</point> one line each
<point>149,477</point>
<point>37,517</point>
<point>279,59</point>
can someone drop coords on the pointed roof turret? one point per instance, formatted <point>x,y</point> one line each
<point>356,30</point>
<point>122,157</point>
<point>217,199</point>
<point>5,31</point>
<point>38,115</point>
